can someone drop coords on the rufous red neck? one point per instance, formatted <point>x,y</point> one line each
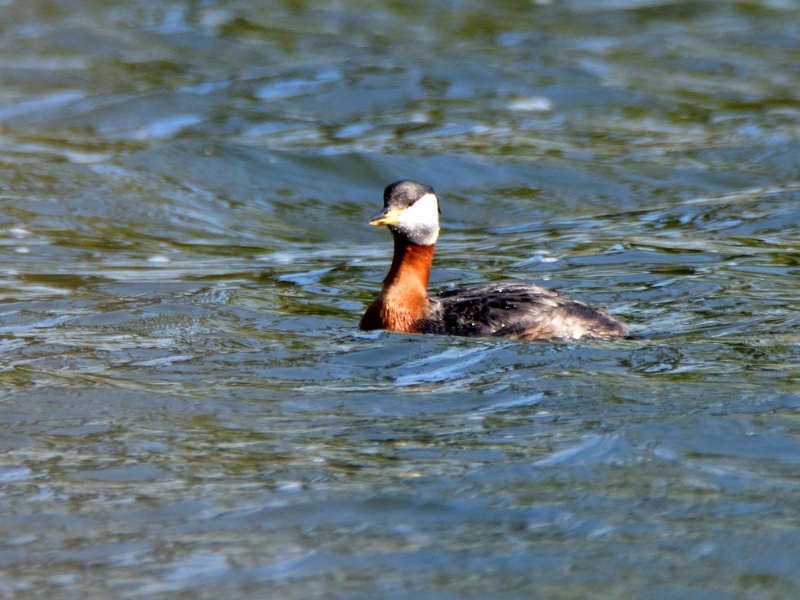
<point>411,264</point>
<point>403,301</point>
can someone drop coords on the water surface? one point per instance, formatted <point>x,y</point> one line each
<point>187,407</point>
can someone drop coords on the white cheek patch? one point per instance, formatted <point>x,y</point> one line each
<point>419,223</point>
<point>424,213</point>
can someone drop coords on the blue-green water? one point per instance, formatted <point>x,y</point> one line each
<point>186,407</point>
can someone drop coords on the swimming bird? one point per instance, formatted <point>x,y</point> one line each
<point>511,310</point>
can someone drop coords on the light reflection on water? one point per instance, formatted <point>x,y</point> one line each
<point>187,407</point>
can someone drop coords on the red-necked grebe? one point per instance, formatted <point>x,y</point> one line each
<point>512,310</point>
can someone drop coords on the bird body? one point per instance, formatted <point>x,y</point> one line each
<point>510,310</point>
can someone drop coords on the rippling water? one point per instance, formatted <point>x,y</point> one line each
<point>187,408</point>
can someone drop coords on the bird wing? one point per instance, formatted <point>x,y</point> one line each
<point>520,311</point>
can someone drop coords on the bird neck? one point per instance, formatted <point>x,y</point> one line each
<point>411,266</point>
<point>403,301</point>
